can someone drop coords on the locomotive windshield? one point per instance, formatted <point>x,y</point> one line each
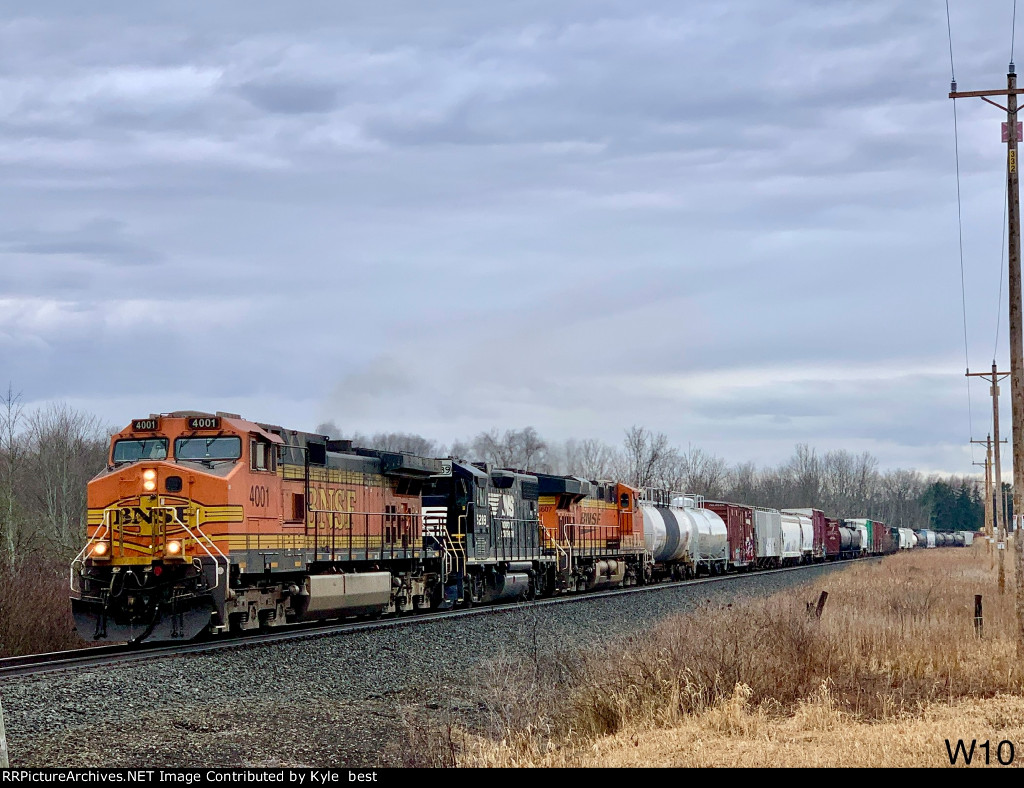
<point>212,448</point>
<point>135,449</point>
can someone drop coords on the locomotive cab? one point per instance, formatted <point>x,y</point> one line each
<point>155,562</point>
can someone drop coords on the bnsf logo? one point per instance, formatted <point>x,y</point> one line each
<point>134,515</point>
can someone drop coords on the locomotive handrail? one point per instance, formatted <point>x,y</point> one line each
<point>92,540</point>
<point>565,551</point>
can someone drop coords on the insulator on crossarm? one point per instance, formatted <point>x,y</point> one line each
<point>952,86</point>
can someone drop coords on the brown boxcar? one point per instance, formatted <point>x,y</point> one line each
<point>885,542</point>
<point>832,539</point>
<point>882,538</point>
<point>739,523</point>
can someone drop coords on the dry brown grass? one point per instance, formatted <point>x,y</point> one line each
<point>891,670</point>
<point>35,611</point>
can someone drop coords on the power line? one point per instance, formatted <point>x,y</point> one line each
<point>949,27</point>
<point>963,283</point>
<point>1013,27</point>
<point>960,228</point>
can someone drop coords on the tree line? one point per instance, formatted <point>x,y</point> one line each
<point>49,453</point>
<point>47,456</point>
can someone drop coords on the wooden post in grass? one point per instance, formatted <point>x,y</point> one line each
<point>821,604</point>
<point>979,623</point>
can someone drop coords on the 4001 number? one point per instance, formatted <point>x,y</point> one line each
<point>259,495</point>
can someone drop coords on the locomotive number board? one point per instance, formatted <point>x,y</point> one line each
<point>145,425</point>
<point>204,423</point>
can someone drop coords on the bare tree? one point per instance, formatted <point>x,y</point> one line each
<point>703,473</point>
<point>523,449</point>
<point>648,457</point>
<point>404,441</point>
<point>12,451</point>
<point>805,472</point>
<point>592,459</point>
<point>68,448</point>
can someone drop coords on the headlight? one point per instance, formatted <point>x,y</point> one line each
<point>100,549</point>
<point>173,548</point>
<point>149,480</point>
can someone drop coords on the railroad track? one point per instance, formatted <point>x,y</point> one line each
<point>93,656</point>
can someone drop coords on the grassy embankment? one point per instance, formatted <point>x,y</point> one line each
<point>35,611</point>
<point>891,671</point>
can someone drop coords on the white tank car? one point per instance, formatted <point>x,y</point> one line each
<point>669,533</point>
<point>931,538</point>
<point>968,538</point>
<point>792,538</point>
<point>768,537</point>
<point>806,534</point>
<point>906,538</point>
<point>712,550</point>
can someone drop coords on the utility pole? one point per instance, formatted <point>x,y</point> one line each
<point>1016,338</point>
<point>1000,509</point>
<point>988,492</point>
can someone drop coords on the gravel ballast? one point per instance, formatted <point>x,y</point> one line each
<point>338,700</point>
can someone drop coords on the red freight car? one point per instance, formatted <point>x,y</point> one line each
<point>884,541</point>
<point>833,542</point>
<point>739,523</point>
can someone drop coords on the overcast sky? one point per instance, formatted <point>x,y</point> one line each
<point>733,221</point>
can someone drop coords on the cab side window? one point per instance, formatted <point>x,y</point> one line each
<point>261,456</point>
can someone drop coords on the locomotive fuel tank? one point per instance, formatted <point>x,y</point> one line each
<point>333,596</point>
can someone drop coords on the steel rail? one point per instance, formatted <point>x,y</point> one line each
<point>93,656</point>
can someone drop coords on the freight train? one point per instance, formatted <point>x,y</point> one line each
<point>209,523</point>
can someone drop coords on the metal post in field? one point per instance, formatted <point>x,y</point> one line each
<point>979,622</point>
